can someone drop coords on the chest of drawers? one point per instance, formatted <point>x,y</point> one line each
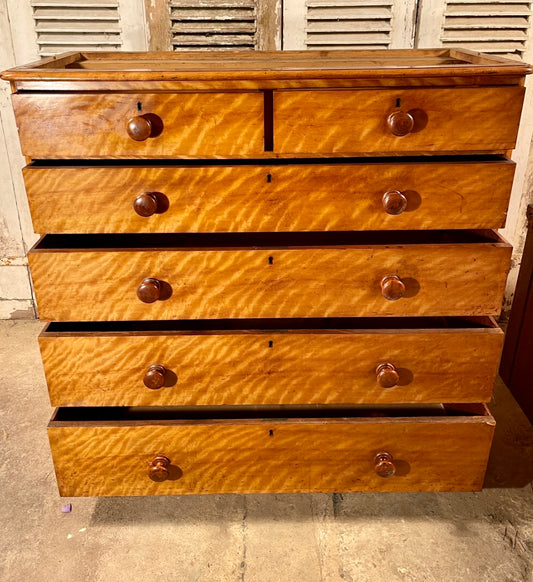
<point>269,272</point>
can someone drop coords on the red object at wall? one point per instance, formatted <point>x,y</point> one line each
<point>516,367</point>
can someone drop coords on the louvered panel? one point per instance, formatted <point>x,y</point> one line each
<point>86,25</point>
<point>344,24</point>
<point>498,26</point>
<point>213,24</point>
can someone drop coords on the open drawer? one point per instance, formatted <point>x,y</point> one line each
<point>139,451</point>
<point>262,275</point>
<point>268,362</point>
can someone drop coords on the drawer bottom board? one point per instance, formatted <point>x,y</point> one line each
<point>120,451</point>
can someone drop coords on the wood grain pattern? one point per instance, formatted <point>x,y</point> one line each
<point>457,280</point>
<point>342,122</point>
<point>449,279</point>
<point>84,199</point>
<point>262,456</point>
<point>94,125</point>
<point>434,366</point>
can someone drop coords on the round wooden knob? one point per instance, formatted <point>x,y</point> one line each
<point>400,123</point>
<point>392,287</point>
<point>149,290</point>
<point>158,470</point>
<point>387,375</point>
<point>146,204</point>
<point>139,128</point>
<point>383,465</point>
<point>155,377</point>
<point>394,202</point>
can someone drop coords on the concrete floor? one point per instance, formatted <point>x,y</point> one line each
<point>428,537</point>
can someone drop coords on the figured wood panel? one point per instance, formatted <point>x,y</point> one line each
<point>270,198</point>
<point>431,454</point>
<point>350,122</point>
<point>272,368</point>
<point>95,125</point>
<point>447,279</point>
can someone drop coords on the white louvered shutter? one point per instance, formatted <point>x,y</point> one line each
<point>213,24</point>
<point>76,25</point>
<point>500,27</point>
<point>348,24</point>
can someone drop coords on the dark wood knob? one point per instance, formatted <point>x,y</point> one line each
<point>387,375</point>
<point>155,377</point>
<point>149,290</point>
<point>158,470</point>
<point>139,128</point>
<point>394,202</point>
<point>383,465</point>
<point>400,123</point>
<point>392,287</point>
<point>146,204</point>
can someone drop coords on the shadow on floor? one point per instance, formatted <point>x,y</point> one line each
<point>511,459</point>
<point>510,466</point>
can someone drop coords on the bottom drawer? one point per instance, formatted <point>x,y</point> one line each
<point>162,451</point>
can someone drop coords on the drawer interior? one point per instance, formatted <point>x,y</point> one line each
<point>68,416</point>
<point>270,240</point>
<point>280,325</point>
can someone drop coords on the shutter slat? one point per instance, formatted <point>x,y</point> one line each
<point>348,23</point>
<point>351,13</point>
<point>493,26</point>
<point>481,23</point>
<point>213,24</point>
<point>356,26</point>
<point>76,25</point>
<point>213,27</point>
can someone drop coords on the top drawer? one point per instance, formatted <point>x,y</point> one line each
<point>159,125</point>
<point>355,122</point>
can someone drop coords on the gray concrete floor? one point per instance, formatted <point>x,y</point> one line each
<point>428,537</point>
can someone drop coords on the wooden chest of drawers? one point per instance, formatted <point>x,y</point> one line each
<point>269,272</point>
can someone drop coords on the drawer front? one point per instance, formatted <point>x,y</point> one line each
<point>372,196</point>
<point>269,456</point>
<point>448,279</point>
<point>352,122</point>
<point>180,124</point>
<point>251,368</point>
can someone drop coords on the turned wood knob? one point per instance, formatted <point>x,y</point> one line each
<point>383,465</point>
<point>394,202</point>
<point>158,470</point>
<point>392,287</point>
<point>155,377</point>
<point>400,123</point>
<point>149,290</point>
<point>146,204</point>
<point>387,375</point>
<point>139,128</point>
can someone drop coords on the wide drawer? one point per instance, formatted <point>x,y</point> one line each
<point>269,362</point>
<point>399,120</point>
<point>219,276</point>
<point>121,451</point>
<point>364,195</point>
<point>96,125</point>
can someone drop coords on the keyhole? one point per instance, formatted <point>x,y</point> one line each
<point>270,260</point>
<point>270,344</point>
<point>271,432</point>
<point>139,106</point>
<point>269,178</point>
<point>398,102</point>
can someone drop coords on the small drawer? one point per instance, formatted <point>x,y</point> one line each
<point>118,125</point>
<point>401,120</point>
<point>130,451</point>
<point>269,362</point>
<point>365,195</point>
<point>224,276</point>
